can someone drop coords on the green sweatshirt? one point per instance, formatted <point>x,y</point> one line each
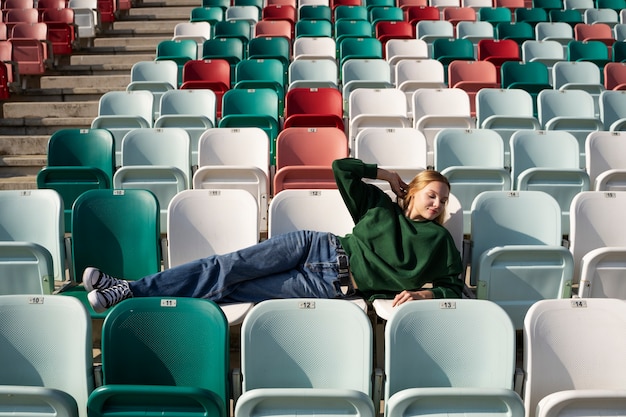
<point>388,251</point>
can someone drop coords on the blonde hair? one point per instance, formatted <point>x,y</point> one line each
<point>419,182</point>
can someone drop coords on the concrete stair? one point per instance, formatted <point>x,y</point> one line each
<point>67,95</point>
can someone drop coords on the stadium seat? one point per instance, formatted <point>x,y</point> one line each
<point>144,370</point>
<point>157,77</point>
<point>604,162</point>
<point>612,110</point>
<point>395,148</point>
<point>471,77</point>
<point>314,47</point>
<point>473,162</point>
<point>561,32</point>
<point>548,161</point>
<point>548,52</point>
<point>420,360</point>
<point>517,31</point>
<point>517,263</point>
<point>313,73</point>
<point>301,153</point>
<point>31,341</point>
<point>128,237</point>
<point>498,52</point>
<point>590,51</point>
<point>32,255</point>
<point>554,372</point>
<point>197,31</point>
<point>31,50</point>
<point>230,49</point>
<point>192,110</point>
<point>585,76</point>
<point>495,15</point>
<point>211,74</point>
<point>531,77</point>
<point>413,74</point>
<point>569,110</point>
<point>78,160</point>
<point>615,76</point>
<point>158,160</point>
<point>358,48</point>
<point>255,73</point>
<point>61,30</point>
<point>290,335</point>
<point>180,51</point>
<point>400,49</point>
<point>122,111</point>
<point>531,15</point>
<point>236,158</point>
<point>313,107</point>
<point>436,109</point>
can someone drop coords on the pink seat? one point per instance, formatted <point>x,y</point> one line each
<point>61,29</point>
<point>271,28</point>
<point>594,32</point>
<point>455,15</point>
<point>615,76</point>
<point>472,76</point>
<point>314,107</point>
<point>30,49</point>
<point>304,157</point>
<point>6,56</point>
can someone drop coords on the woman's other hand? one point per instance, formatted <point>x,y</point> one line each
<point>405,296</point>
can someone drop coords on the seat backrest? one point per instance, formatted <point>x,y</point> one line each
<point>500,218</point>
<point>310,146</point>
<point>301,209</point>
<point>163,147</point>
<point>396,49</point>
<point>323,71</point>
<point>474,30</point>
<point>34,330</point>
<point>213,70</point>
<point>377,102</point>
<point>461,71</point>
<point>311,101</point>
<point>593,223</point>
<point>305,343</point>
<point>126,224</point>
<point>155,71</point>
<point>582,72</point>
<point>313,46</point>
<point>554,30</point>
<point>230,49</point>
<point>565,103</point>
<point>246,146</point>
<point>440,102</point>
<point>615,76</point>
<point>391,147</point>
<point>552,346</point>
<point>471,147</point>
<point>492,102</point>
<point>488,48</point>
<point>521,74</point>
<point>127,103</point>
<point>612,110</point>
<point>82,147</point>
<point>419,70</point>
<point>232,225</point>
<point>542,49</point>
<point>200,102</point>
<point>555,149</point>
<point>35,216</point>
<point>365,70</point>
<point>423,348</point>
<point>137,346</point>
<point>260,101</point>
<point>604,152</point>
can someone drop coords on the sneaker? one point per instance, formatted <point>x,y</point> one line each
<point>94,279</point>
<point>101,300</point>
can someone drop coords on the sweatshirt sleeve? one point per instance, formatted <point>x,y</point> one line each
<point>357,195</point>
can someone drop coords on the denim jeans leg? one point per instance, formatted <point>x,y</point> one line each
<point>280,265</point>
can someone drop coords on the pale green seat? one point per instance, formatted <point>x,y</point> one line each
<point>157,77</point>
<point>158,160</point>
<point>193,110</point>
<point>78,160</point>
<point>579,75</point>
<point>32,255</point>
<point>364,73</point>
<point>556,374</point>
<point>35,330</point>
<point>121,111</point>
<point>425,343</point>
<point>547,160</point>
<point>163,356</point>
<point>569,110</point>
<point>306,357</point>
<point>116,231</point>
<point>613,110</point>
<point>505,111</point>
<point>473,162</point>
<point>517,260</point>
<point>320,72</point>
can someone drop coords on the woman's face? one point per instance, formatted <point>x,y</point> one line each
<point>429,202</point>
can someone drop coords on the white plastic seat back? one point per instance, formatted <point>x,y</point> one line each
<point>423,350</point>
<point>32,227</point>
<point>85,18</point>
<point>605,163</point>
<point>594,224</point>
<point>397,49</point>
<point>412,74</point>
<point>553,342</point>
<point>306,357</point>
<point>308,47</point>
<point>363,73</point>
<point>302,209</point>
<point>561,32</point>
<point>391,147</point>
<point>308,73</point>
<point>546,51</point>
<point>613,110</point>
<point>436,109</point>
<point>31,340</point>
<point>157,77</point>
<point>374,107</point>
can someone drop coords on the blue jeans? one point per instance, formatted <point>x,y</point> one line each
<point>292,265</point>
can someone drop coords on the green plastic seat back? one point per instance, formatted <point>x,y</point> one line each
<point>141,344</point>
<point>446,49</point>
<point>352,28</point>
<point>260,72</point>
<point>350,12</point>
<point>306,343</point>
<point>531,15</point>
<point>261,102</point>
<point>359,48</point>
<point>587,51</point>
<point>35,217</point>
<point>518,31</point>
<point>211,14</point>
<point>177,50</point>
<point>569,16</point>
<point>494,15</point>
<point>423,348</point>
<point>117,231</point>
<point>315,28</point>
<point>34,331</point>
<point>265,47</point>
<point>82,147</point>
<point>315,12</point>
<point>519,74</point>
<point>233,29</point>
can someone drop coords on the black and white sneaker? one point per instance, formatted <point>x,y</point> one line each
<point>101,300</point>
<point>94,279</point>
